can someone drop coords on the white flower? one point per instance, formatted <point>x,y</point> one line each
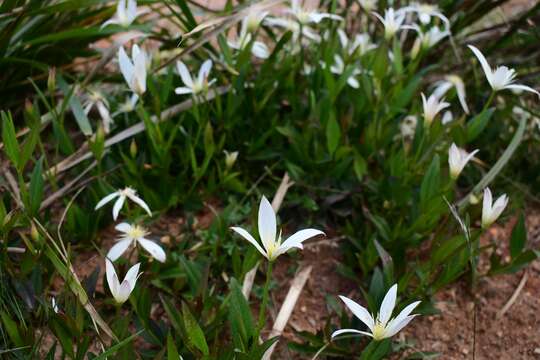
<point>194,85</point>
<point>361,44</point>
<point>431,37</point>
<point>338,68</point>
<point>133,235</point>
<point>500,78</point>
<point>121,291</point>
<point>230,158</point>
<point>457,159</point>
<point>427,39</point>
<point>272,245</point>
<point>306,15</point>
<point>425,12</point>
<point>491,211</point>
<point>408,126</point>
<point>127,106</point>
<point>447,117</point>
<point>392,21</point>
<point>258,48</point>
<point>134,72</point>
<point>446,84</point>
<point>381,327</point>
<point>368,5</point>
<point>126,13</point>
<point>432,106</point>
<point>96,99</point>
<point>122,194</point>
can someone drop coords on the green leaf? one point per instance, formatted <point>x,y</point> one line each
<point>333,134</point>
<point>76,107</point>
<point>11,329</point>
<point>194,333</point>
<point>431,183</point>
<point>518,263</point>
<point>242,327</point>
<point>360,166</point>
<point>172,351</point>
<point>478,123</point>
<point>113,349</point>
<point>36,187</point>
<point>9,138</point>
<point>30,144</point>
<point>519,237</point>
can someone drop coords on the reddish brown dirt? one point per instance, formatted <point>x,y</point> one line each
<point>514,335</point>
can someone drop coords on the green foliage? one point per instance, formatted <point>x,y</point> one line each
<point>360,170</point>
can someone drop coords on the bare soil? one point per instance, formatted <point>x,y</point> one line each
<point>455,333</point>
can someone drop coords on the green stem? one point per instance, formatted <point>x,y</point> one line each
<point>264,304</point>
<point>489,101</point>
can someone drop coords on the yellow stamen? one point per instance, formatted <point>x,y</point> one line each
<point>378,331</point>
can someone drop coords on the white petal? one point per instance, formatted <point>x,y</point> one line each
<point>123,292</point>
<point>388,304</point>
<point>117,206</point>
<point>105,116</point>
<point>460,89</point>
<point>442,89</point>
<point>284,248</point>
<point>106,199</point>
<point>396,327</point>
<point>183,90</point>
<point>470,156</point>
<point>121,9</point>
<point>359,311</point>
<point>349,331</point>
<point>404,313</point>
<point>126,66</point>
<point>139,60</point>
<point>249,238</point>
<point>132,10</point>
<point>154,249</point>
<point>343,39</point>
<point>353,82</point>
<point>123,227</point>
<point>184,74</point>
<point>132,275</point>
<point>204,71</point>
<point>301,236</point>
<point>484,63</point>
<point>137,200</point>
<point>112,278</point>
<point>260,50</point>
<point>118,249</point>
<point>486,204</point>
<point>113,20</point>
<point>522,87</point>
<point>267,223</point>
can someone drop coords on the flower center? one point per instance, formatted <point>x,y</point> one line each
<point>379,331</point>
<point>136,232</point>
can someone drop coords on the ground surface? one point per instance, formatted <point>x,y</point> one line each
<point>513,335</point>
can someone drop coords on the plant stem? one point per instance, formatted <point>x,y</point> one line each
<point>264,304</point>
<point>489,101</point>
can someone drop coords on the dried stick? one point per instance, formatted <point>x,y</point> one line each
<point>514,296</point>
<point>287,307</point>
